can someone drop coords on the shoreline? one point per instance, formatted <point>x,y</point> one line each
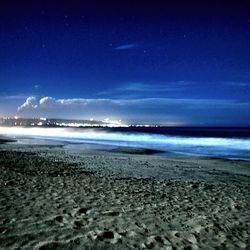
<point>96,147</point>
<point>122,164</point>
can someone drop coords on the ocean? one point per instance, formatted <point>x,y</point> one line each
<point>228,143</point>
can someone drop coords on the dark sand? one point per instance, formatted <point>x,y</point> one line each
<point>140,151</point>
<point>53,198</point>
<point>6,140</point>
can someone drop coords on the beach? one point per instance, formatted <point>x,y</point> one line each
<point>57,198</point>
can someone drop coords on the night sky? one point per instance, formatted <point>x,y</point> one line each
<point>173,63</point>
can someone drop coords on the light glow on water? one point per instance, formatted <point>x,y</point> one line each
<point>219,147</point>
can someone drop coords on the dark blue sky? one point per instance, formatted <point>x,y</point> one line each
<point>181,63</point>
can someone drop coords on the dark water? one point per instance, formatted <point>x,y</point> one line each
<point>224,132</point>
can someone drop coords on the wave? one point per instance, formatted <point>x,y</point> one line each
<point>238,148</point>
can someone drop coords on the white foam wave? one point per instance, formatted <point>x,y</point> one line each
<point>200,145</point>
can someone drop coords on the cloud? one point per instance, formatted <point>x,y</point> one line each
<point>151,89</point>
<point>47,101</point>
<point>181,111</point>
<point>155,87</point>
<point>29,104</point>
<point>126,46</point>
<point>8,104</point>
<point>179,89</point>
<point>237,84</point>
<point>170,86</point>
<point>13,97</point>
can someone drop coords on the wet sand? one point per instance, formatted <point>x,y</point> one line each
<point>55,198</point>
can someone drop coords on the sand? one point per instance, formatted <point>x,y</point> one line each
<point>139,151</point>
<point>55,198</point>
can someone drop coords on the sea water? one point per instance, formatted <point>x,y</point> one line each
<point>233,143</point>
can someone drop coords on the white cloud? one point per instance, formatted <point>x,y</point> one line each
<point>13,97</point>
<point>157,87</point>
<point>47,101</point>
<point>30,103</point>
<point>136,110</point>
<point>237,84</point>
<point>126,46</point>
<point>150,89</point>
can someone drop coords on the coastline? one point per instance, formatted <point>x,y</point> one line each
<point>56,198</point>
<point>168,145</point>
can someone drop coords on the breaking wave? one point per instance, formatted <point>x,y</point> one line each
<point>235,148</point>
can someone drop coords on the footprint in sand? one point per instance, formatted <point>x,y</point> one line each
<point>83,210</point>
<point>59,218</point>
<point>109,236</point>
